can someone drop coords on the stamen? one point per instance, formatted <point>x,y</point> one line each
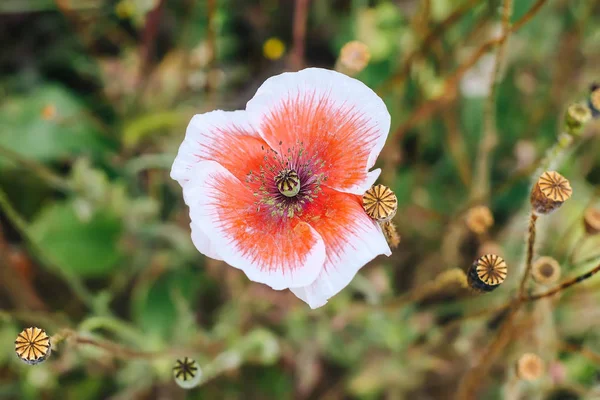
<point>289,179</point>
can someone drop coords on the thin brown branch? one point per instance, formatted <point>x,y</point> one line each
<point>426,109</point>
<point>469,385</point>
<point>566,284</point>
<point>43,172</point>
<point>585,352</point>
<point>528,15</point>
<point>456,145</point>
<point>211,39</point>
<point>433,35</point>
<point>489,138</point>
<point>149,33</point>
<point>114,349</point>
<point>299,32</point>
<point>530,251</point>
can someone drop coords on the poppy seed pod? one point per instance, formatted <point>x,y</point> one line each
<point>591,221</point>
<point>479,219</point>
<point>576,116</point>
<point>354,56</point>
<point>550,192</point>
<point>33,345</point>
<point>186,372</point>
<point>380,203</point>
<point>530,367</point>
<point>487,273</point>
<point>546,270</point>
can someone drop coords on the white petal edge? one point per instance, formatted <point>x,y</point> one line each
<point>197,195</point>
<point>202,131</point>
<point>203,243</point>
<point>343,89</point>
<point>341,267</point>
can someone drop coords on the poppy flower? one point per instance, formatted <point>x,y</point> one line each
<point>275,190</point>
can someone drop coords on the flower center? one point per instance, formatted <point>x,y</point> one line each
<point>288,183</point>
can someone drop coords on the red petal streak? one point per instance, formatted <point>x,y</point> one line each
<point>335,133</point>
<point>351,240</point>
<point>281,252</point>
<point>221,136</point>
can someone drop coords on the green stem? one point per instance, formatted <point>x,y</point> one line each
<point>120,328</point>
<point>40,170</point>
<point>21,226</point>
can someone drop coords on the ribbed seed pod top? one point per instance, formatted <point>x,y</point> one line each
<point>550,192</point>
<point>487,273</point>
<point>33,345</point>
<point>187,373</point>
<point>380,203</point>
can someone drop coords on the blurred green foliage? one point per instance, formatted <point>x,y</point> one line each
<point>95,96</point>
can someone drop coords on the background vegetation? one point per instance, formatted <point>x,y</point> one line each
<point>95,96</point>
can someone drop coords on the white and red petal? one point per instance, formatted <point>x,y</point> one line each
<point>338,119</point>
<point>203,243</point>
<point>222,136</point>
<point>351,238</point>
<point>279,252</point>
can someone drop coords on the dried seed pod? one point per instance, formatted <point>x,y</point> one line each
<point>354,56</point>
<point>591,221</point>
<point>33,345</point>
<point>186,372</point>
<point>479,219</point>
<point>380,203</point>
<point>576,116</point>
<point>487,273</point>
<point>530,367</point>
<point>545,270</point>
<point>389,231</point>
<point>550,192</point>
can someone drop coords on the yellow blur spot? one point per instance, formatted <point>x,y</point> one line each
<point>273,48</point>
<point>125,9</point>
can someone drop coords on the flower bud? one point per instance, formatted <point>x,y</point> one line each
<point>546,270</point>
<point>479,219</point>
<point>354,57</point>
<point>591,221</point>
<point>576,116</point>
<point>530,367</point>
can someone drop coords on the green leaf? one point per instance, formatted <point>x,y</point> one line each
<point>85,248</point>
<point>155,305</point>
<point>48,124</point>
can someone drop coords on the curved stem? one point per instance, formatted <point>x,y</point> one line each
<point>566,284</point>
<point>530,252</point>
<point>21,226</point>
